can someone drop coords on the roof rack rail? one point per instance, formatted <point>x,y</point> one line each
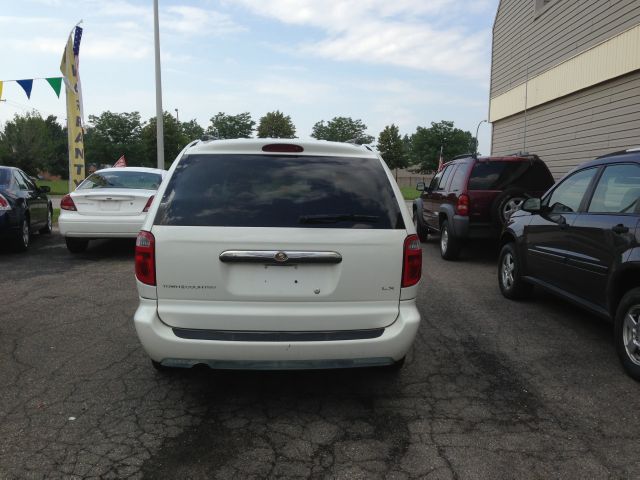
<point>621,152</point>
<point>464,155</point>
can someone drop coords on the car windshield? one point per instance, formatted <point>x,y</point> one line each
<point>498,175</point>
<point>5,177</point>
<point>139,180</point>
<point>280,191</point>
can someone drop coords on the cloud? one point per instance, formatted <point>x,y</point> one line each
<point>416,34</point>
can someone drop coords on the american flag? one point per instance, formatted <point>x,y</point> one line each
<point>441,159</point>
<point>120,163</point>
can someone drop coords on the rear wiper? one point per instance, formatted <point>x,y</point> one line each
<point>344,217</point>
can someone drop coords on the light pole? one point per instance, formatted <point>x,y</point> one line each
<point>159,112</point>
<point>177,117</point>
<point>477,131</point>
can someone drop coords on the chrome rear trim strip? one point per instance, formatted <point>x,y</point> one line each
<point>279,257</point>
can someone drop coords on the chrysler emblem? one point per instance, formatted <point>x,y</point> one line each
<point>281,257</point>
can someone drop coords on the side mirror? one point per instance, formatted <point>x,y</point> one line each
<point>420,186</point>
<point>44,189</point>
<point>532,205</point>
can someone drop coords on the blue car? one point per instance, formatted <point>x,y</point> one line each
<point>24,208</point>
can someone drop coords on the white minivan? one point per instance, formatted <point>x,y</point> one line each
<point>277,254</point>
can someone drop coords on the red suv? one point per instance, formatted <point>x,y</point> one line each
<point>473,197</point>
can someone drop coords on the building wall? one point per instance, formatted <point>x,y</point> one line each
<point>576,128</point>
<point>528,40</point>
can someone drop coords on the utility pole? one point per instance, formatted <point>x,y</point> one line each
<point>159,112</point>
<point>177,117</point>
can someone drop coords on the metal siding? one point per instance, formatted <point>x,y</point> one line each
<point>610,59</point>
<point>576,128</point>
<point>524,41</point>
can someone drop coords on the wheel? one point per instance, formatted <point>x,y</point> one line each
<point>449,245</point>
<point>49,226</point>
<point>23,238</point>
<point>422,232</point>
<point>510,280</point>
<point>76,245</point>
<point>506,204</point>
<point>627,332</point>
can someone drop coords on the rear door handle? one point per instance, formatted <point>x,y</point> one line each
<point>620,228</point>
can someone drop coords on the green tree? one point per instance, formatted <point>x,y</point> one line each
<point>225,126</point>
<point>342,129</point>
<point>26,143</point>
<point>192,130</point>
<point>175,139</point>
<point>276,125</point>
<point>110,135</point>
<point>58,159</point>
<point>425,144</point>
<point>391,147</point>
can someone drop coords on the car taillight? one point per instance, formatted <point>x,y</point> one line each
<point>462,208</point>
<point>67,203</point>
<point>146,258</point>
<point>412,262</point>
<point>4,204</point>
<point>149,202</point>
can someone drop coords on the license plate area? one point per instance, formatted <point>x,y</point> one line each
<point>109,205</point>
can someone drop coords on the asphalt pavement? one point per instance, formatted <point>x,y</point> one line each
<point>492,389</point>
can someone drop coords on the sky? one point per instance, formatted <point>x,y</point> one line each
<point>407,62</point>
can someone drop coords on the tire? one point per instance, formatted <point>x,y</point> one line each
<point>506,204</point>
<point>627,333</point>
<point>510,279</point>
<point>422,232</point>
<point>449,245</point>
<point>23,238</point>
<point>76,245</point>
<point>49,226</point>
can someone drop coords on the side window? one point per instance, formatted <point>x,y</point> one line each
<point>618,190</point>
<point>434,181</point>
<point>567,196</point>
<point>20,180</point>
<point>459,176</point>
<point>445,177</point>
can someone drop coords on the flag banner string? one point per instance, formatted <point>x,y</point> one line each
<point>27,84</point>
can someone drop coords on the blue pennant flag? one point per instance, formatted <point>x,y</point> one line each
<point>26,86</point>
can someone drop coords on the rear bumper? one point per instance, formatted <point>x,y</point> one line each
<point>164,346</point>
<point>463,228</point>
<point>9,226</point>
<point>72,224</point>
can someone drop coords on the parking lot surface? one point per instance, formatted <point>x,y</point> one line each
<point>492,389</point>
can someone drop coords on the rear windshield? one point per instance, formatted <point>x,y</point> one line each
<point>140,180</point>
<point>5,177</point>
<point>279,191</point>
<point>499,175</point>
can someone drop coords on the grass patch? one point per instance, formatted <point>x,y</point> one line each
<point>58,187</point>
<point>56,214</point>
<point>410,193</point>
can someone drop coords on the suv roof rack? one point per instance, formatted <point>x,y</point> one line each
<point>621,152</point>
<point>464,155</point>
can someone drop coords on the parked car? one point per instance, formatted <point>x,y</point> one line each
<point>24,208</point>
<point>110,203</point>
<point>581,242</point>
<point>278,254</point>
<point>472,198</point>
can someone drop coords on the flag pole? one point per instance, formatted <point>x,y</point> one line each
<point>159,113</point>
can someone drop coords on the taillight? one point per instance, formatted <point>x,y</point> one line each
<point>149,202</point>
<point>67,203</point>
<point>146,258</point>
<point>4,204</point>
<point>462,208</point>
<point>412,262</point>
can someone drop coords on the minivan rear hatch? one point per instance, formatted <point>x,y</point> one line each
<point>278,243</point>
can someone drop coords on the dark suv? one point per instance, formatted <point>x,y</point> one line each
<point>472,198</point>
<point>581,241</point>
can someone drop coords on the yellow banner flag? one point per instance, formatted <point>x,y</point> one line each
<point>0,90</point>
<point>71,75</point>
